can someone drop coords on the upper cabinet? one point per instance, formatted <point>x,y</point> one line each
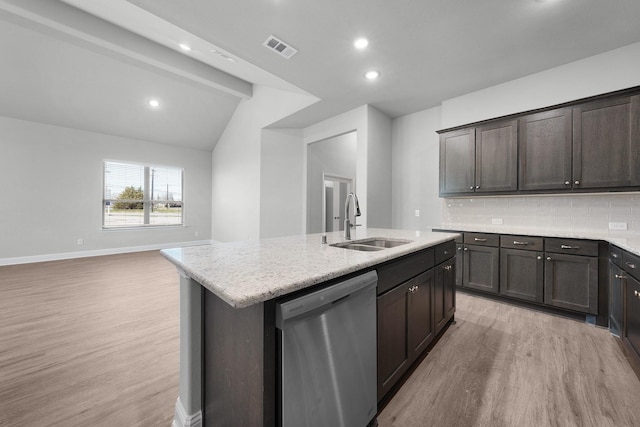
<point>606,147</point>
<point>545,151</point>
<point>477,160</point>
<point>591,145</point>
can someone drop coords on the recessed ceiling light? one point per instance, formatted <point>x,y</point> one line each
<point>185,47</point>
<point>371,75</point>
<point>154,103</point>
<point>361,43</point>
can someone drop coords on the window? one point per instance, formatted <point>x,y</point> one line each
<point>141,196</point>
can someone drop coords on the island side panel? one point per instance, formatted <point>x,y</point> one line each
<point>239,364</point>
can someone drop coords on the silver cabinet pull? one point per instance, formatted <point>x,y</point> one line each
<point>447,267</point>
<point>538,257</point>
<point>471,188</point>
<point>569,247</point>
<point>515,242</point>
<point>479,240</point>
<point>628,264</point>
<point>576,182</point>
<point>466,249</point>
<point>614,255</point>
<point>460,248</point>
<point>477,186</point>
<point>620,276</point>
<point>548,258</point>
<point>567,183</point>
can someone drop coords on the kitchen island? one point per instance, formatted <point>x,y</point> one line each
<point>227,312</point>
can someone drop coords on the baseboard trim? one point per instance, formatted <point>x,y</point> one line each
<point>181,419</point>
<point>98,252</point>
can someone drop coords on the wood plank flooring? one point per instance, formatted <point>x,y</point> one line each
<point>502,365</point>
<point>89,342</point>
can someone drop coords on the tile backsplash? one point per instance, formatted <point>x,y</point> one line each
<point>576,212</point>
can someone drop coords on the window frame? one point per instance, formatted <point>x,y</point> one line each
<point>147,199</point>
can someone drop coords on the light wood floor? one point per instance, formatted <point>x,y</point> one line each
<point>94,342</point>
<point>502,365</point>
<point>89,342</point>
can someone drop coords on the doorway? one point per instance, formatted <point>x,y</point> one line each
<point>335,190</point>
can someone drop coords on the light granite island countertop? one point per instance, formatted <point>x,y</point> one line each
<point>249,272</point>
<point>228,295</point>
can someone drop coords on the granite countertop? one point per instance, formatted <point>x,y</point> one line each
<point>624,240</point>
<point>250,272</point>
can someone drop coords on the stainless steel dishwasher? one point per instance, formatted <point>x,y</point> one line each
<point>327,347</point>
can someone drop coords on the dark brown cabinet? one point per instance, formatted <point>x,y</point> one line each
<point>405,328</point>
<point>522,274</point>
<point>497,157</point>
<point>616,298</point>
<point>605,143</point>
<point>457,161</point>
<point>477,160</point>
<point>459,264</point>
<point>544,146</point>
<point>481,262</point>
<point>591,144</point>
<point>444,300</point>
<point>571,282</point>
<point>632,315</point>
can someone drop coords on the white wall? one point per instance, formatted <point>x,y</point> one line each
<point>52,184</point>
<point>415,170</point>
<point>379,168</point>
<point>237,160</point>
<point>282,160</point>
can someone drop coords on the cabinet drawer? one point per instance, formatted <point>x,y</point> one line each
<point>522,242</point>
<point>571,246</point>
<point>484,239</point>
<point>631,264</point>
<point>615,255</point>
<point>398,271</point>
<point>444,251</point>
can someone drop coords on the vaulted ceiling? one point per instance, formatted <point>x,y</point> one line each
<point>93,65</point>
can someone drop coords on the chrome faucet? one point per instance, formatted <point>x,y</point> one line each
<point>347,223</point>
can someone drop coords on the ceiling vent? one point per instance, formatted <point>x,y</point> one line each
<point>280,47</point>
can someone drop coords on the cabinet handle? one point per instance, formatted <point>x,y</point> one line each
<point>548,258</point>
<point>538,257</point>
<point>447,267</point>
<point>567,183</point>
<point>569,247</point>
<point>466,249</point>
<point>576,182</point>
<point>614,255</point>
<point>479,240</point>
<point>471,188</point>
<point>628,264</point>
<point>446,252</point>
<point>515,242</point>
<point>619,276</point>
<point>477,186</point>
<point>460,248</point>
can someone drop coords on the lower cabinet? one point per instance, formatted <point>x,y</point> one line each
<point>405,328</point>
<point>522,274</point>
<point>571,282</point>
<point>632,314</point>
<point>481,268</point>
<point>459,264</point>
<point>616,299</point>
<point>444,299</point>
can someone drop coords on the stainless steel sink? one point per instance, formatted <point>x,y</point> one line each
<point>371,244</point>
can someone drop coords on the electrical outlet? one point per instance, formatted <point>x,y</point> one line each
<point>496,221</point>
<point>417,212</point>
<point>617,226</point>
<point>80,241</point>
<point>417,233</point>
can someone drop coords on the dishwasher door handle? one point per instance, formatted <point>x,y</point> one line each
<point>318,301</point>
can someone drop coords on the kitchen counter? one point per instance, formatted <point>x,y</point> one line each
<point>624,240</point>
<point>250,272</point>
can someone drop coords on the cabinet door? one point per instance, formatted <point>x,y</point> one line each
<point>393,344</point>
<point>632,316</point>
<point>522,274</point>
<point>459,264</point>
<point>420,327</point>
<point>497,157</point>
<point>481,268</point>
<point>606,143</point>
<point>571,281</point>
<point>616,295</point>
<point>544,145</point>
<point>457,161</point>
<point>444,300</point>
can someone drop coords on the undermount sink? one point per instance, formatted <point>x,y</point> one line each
<point>371,244</point>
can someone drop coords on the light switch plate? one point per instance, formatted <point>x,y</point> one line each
<point>496,221</point>
<point>417,212</point>
<point>617,226</point>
